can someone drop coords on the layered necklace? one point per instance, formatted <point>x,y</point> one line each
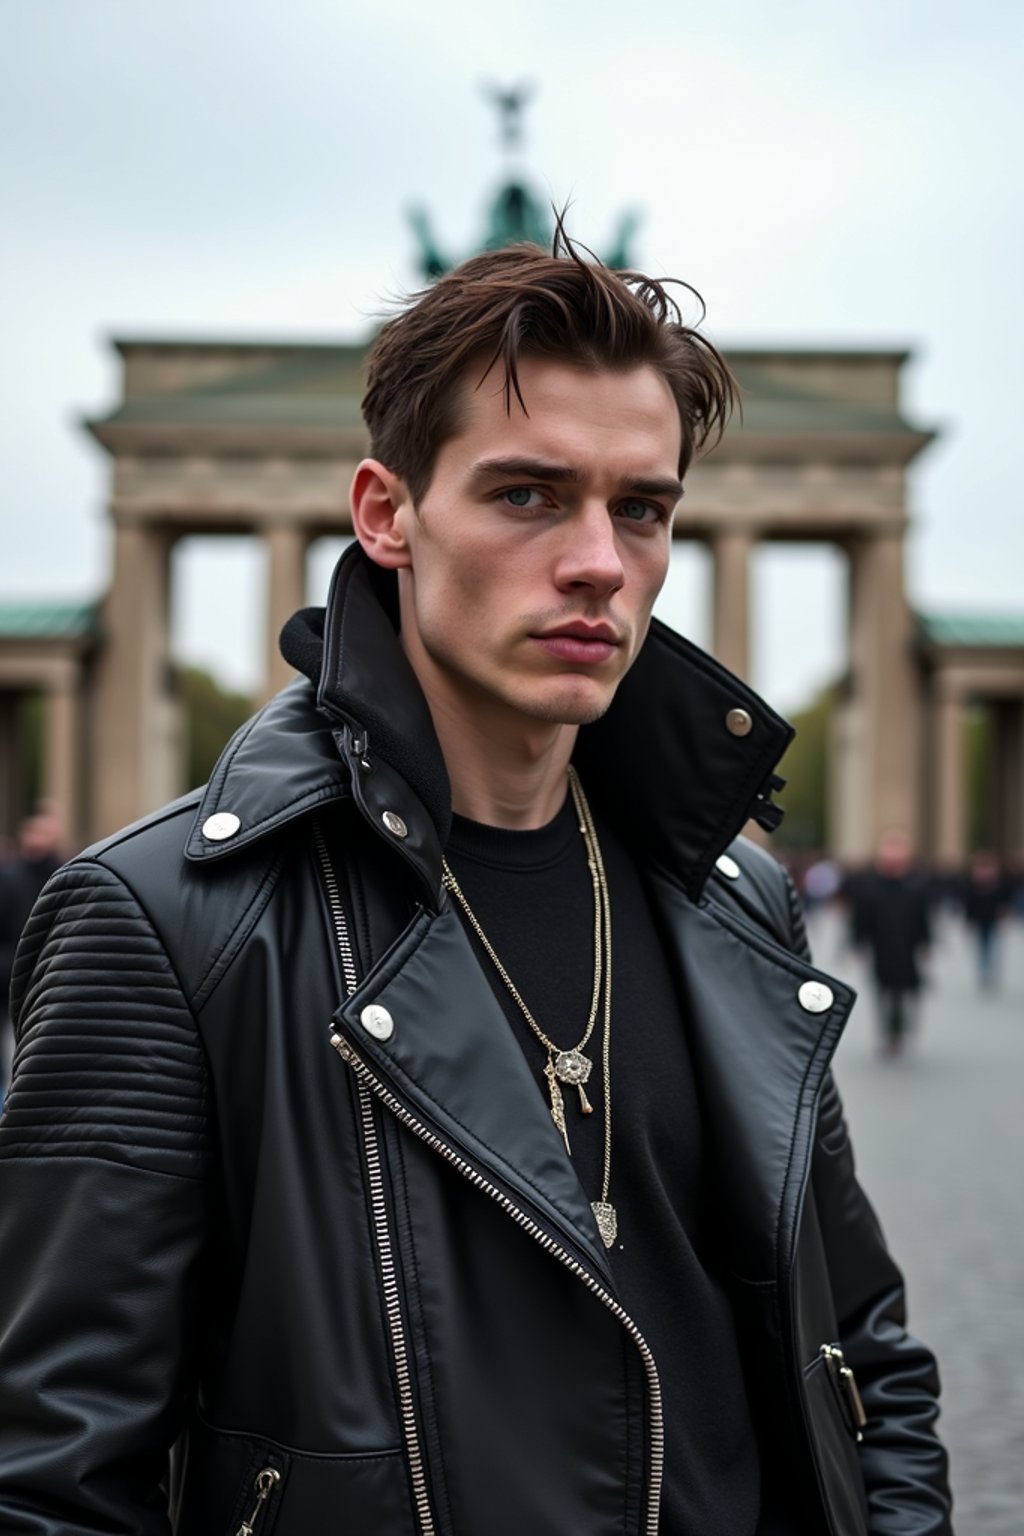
<point>570,1066</point>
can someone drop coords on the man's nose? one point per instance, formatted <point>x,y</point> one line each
<point>590,555</point>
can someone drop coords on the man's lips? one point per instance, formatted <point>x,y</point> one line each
<point>587,643</point>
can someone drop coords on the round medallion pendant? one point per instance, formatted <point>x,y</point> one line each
<point>572,1067</point>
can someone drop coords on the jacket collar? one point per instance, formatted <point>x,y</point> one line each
<point>663,760</point>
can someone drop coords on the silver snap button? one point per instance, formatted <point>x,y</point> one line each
<point>816,997</point>
<point>727,866</point>
<point>395,824</point>
<point>377,1022</point>
<point>738,722</point>
<point>221,826</point>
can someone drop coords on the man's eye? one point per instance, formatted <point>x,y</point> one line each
<point>640,511</point>
<point>521,496</point>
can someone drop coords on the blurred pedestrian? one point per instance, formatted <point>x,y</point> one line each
<point>986,904</point>
<point>822,882</point>
<point>22,877</point>
<point>891,922</point>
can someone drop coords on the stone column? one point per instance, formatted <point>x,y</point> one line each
<point>875,783</point>
<point>730,551</point>
<point>949,839</point>
<point>286,544</point>
<point>133,746</point>
<point>63,755</point>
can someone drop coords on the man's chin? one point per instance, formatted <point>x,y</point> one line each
<point>576,707</point>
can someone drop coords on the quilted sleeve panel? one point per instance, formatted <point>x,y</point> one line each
<point>107,1062</point>
<point>105,1215</point>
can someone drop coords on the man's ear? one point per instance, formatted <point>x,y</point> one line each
<point>380,504</point>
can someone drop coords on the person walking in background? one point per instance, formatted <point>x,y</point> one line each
<point>21,880</point>
<point>891,922</point>
<point>985,901</point>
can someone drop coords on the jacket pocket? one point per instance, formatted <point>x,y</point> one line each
<point>232,1484</point>
<point>834,1428</point>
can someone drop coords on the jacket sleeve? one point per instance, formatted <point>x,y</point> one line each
<point>103,1215</point>
<point>902,1461</point>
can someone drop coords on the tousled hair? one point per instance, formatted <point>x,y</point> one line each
<point>520,302</point>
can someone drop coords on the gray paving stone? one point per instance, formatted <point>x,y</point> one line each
<point>939,1137</point>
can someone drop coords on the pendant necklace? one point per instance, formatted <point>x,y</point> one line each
<point>571,1066</point>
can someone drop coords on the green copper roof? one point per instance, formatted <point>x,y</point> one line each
<point>293,386</point>
<point>46,621</point>
<point>992,630</point>
<point>770,405</point>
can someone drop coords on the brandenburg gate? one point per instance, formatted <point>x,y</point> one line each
<point>262,439</point>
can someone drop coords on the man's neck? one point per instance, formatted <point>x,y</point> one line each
<point>503,772</point>
<point>519,795</point>
<point>514,778</point>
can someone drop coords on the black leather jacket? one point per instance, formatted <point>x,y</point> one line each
<point>277,1188</point>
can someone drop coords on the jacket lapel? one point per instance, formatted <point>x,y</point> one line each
<point>760,1058</point>
<point>453,1062</point>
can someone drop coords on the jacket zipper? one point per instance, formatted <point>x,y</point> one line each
<point>266,1481</point>
<point>368,1083</point>
<point>380,1215</point>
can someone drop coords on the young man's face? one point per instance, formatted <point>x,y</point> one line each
<point>536,554</point>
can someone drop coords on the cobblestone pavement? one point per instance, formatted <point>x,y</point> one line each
<point>939,1136</point>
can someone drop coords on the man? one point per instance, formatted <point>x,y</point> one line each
<point>427,1127</point>
<point>986,904</point>
<point>892,924</point>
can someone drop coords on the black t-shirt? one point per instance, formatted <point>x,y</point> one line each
<point>532,894</point>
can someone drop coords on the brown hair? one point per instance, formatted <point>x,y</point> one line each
<point>526,302</point>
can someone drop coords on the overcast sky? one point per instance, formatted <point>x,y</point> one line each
<point>824,173</point>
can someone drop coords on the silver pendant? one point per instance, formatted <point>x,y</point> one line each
<point>607,1221</point>
<point>574,1068</point>
<point>557,1106</point>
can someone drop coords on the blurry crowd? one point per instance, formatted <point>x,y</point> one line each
<point>890,908</point>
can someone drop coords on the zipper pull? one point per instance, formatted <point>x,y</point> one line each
<point>266,1482</point>
<point>343,1049</point>
<point>846,1385</point>
<point>853,1397</point>
<point>360,748</point>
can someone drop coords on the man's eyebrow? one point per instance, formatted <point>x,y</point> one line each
<point>666,485</point>
<point>543,469</point>
<point>526,469</point>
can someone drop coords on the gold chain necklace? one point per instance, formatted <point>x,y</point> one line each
<point>571,1066</point>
